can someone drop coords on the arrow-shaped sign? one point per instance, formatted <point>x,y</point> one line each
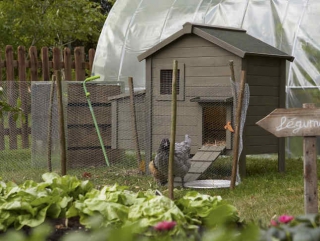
<point>292,122</point>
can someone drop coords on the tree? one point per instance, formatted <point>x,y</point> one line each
<point>49,22</point>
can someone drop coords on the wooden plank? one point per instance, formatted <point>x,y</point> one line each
<point>86,136</point>
<point>208,92</point>
<point>191,120</point>
<point>292,122</point>
<point>157,130</point>
<point>264,70</point>
<point>79,63</point>
<point>81,115</point>
<point>264,101</point>
<point>33,56</point>
<point>171,52</point>
<point>182,111</point>
<point>23,93</point>
<point>213,61</point>
<point>98,93</point>
<point>11,95</point>
<point>127,144</point>
<point>255,130</point>
<point>263,80</point>
<point>45,64</point>
<point>56,59</point>
<point>263,61</point>
<point>67,64</point>
<point>91,59</point>
<point>282,104</point>
<point>205,81</point>
<point>207,71</point>
<point>259,110</point>
<point>264,90</point>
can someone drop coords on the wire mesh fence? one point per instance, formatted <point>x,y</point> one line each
<point>103,120</point>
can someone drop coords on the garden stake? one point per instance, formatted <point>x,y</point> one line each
<point>141,165</point>
<point>53,82</point>
<point>63,150</point>
<point>173,128</point>
<point>93,116</point>
<point>237,131</point>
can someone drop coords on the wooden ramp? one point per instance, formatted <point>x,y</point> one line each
<point>200,162</point>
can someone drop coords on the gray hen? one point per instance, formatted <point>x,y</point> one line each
<point>181,163</point>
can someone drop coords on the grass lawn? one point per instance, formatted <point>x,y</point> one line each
<point>263,193</point>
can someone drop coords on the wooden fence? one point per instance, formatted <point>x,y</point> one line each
<point>35,66</point>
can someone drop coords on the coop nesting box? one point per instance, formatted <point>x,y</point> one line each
<point>204,94</point>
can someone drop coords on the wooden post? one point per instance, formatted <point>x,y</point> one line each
<point>79,63</point>
<point>310,171</point>
<point>173,128</point>
<point>237,131</point>
<point>134,124</point>
<point>67,64</point>
<point>53,82</point>
<point>233,78</point>
<point>33,63</point>
<point>11,95</point>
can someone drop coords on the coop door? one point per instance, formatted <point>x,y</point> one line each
<point>215,117</point>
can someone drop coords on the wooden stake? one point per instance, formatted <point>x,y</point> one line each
<point>63,154</point>
<point>233,78</point>
<point>237,131</point>
<point>173,128</point>
<point>53,82</point>
<point>310,171</point>
<point>134,123</point>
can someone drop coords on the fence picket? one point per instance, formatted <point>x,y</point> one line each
<point>67,64</point>
<point>33,63</point>
<point>23,90</point>
<point>45,64</point>
<point>79,63</point>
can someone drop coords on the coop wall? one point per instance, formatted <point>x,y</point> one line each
<point>206,74</point>
<point>122,123</point>
<point>266,80</point>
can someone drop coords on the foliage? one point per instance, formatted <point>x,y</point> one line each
<point>49,22</point>
<point>288,228</point>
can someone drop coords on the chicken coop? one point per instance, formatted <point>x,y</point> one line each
<point>205,100</point>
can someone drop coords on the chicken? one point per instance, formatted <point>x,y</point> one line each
<point>181,162</point>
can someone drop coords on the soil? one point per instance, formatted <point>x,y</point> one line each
<point>60,228</point>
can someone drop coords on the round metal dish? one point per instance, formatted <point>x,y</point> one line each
<point>198,184</point>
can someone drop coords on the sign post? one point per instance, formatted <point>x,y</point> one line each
<point>300,122</point>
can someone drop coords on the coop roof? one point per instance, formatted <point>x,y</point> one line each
<point>234,40</point>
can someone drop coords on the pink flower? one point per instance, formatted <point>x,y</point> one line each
<point>165,225</point>
<point>273,223</point>
<point>285,218</point>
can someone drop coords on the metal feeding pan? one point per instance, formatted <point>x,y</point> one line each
<point>206,184</point>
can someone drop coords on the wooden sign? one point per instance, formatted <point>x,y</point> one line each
<point>300,122</point>
<point>292,122</point>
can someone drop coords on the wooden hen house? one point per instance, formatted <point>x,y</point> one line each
<point>203,53</point>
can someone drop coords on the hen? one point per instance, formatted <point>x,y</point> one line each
<point>181,162</point>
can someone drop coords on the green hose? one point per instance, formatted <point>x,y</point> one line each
<point>93,116</point>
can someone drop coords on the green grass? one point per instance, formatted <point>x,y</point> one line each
<point>263,193</point>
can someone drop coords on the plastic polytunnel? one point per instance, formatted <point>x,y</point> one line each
<point>134,26</point>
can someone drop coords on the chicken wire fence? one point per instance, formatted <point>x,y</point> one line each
<point>30,145</point>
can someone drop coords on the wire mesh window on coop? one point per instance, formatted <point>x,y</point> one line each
<point>30,146</point>
<point>166,81</point>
